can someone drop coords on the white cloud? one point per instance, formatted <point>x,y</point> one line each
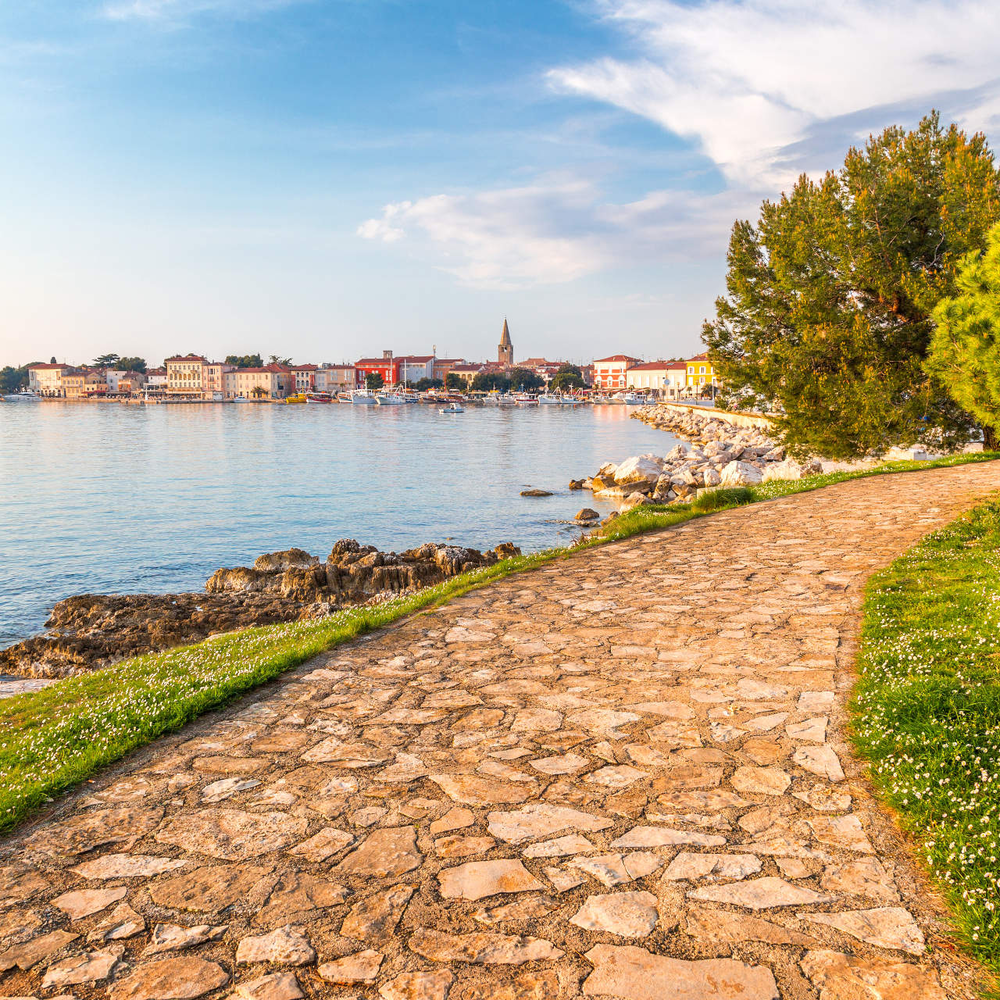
<point>749,79</point>
<point>555,231</point>
<point>177,11</point>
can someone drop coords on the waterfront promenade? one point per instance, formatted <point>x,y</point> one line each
<point>622,775</point>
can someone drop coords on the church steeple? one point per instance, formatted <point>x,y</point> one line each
<point>505,353</point>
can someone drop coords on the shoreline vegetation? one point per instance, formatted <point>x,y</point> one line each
<point>52,739</point>
<point>926,712</point>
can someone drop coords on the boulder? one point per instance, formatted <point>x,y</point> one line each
<point>787,469</point>
<point>607,471</point>
<point>535,493</point>
<point>740,474</point>
<point>639,468</point>
<point>577,484</point>
<point>712,477</point>
<point>277,562</point>
<point>586,514</point>
<point>635,500</point>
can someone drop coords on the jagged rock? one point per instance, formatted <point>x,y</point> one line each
<point>639,469</point>
<point>740,474</point>
<point>535,493</point>
<point>92,630</point>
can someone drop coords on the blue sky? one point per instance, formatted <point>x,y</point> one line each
<point>328,178</point>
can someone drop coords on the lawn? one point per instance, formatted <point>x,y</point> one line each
<point>54,738</point>
<point>926,711</point>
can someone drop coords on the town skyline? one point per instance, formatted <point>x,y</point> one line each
<point>331,174</point>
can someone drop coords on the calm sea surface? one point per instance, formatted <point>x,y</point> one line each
<point>104,498</point>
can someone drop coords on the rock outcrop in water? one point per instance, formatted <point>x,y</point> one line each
<point>92,630</point>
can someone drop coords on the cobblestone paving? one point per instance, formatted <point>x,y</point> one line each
<point>622,775</point>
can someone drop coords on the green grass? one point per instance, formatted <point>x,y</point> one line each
<point>721,497</point>
<point>926,712</point>
<point>52,739</point>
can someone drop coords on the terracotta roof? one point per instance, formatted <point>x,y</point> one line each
<point>266,370</point>
<point>698,357</point>
<point>467,368</point>
<point>32,368</point>
<point>328,367</point>
<point>416,358</point>
<point>617,357</point>
<point>305,368</point>
<point>375,361</point>
<point>650,366</point>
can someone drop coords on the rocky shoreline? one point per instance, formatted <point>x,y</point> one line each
<point>719,454</point>
<point>89,631</point>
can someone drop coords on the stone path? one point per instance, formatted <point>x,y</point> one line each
<point>623,775</point>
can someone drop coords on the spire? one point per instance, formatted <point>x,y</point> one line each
<point>505,353</point>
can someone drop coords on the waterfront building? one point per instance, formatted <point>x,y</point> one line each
<point>505,352</point>
<point>665,378</point>
<point>273,381</point>
<point>466,372</point>
<point>335,378</point>
<point>442,366</point>
<point>609,373</point>
<point>120,381</point>
<point>701,376</point>
<point>184,375</point>
<point>304,377</point>
<point>414,367</point>
<point>46,380</point>
<point>387,366</point>
<point>156,381</point>
<point>84,383</point>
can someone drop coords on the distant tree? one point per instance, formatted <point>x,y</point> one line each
<point>568,369</point>
<point>525,379</point>
<point>965,349</point>
<point>106,361</point>
<point>244,360</point>
<point>374,381</point>
<point>454,381</point>
<point>830,293</point>
<point>427,383</point>
<point>490,381</point>
<point>275,360</point>
<point>52,360</point>
<point>132,364</point>
<point>258,391</point>
<point>563,381</point>
<point>13,379</point>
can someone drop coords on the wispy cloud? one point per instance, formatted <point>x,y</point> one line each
<point>554,231</point>
<point>749,79</point>
<point>172,12</point>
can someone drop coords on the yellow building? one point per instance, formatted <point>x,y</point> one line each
<point>700,375</point>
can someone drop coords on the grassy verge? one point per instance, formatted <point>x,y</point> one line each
<point>926,712</point>
<point>54,738</point>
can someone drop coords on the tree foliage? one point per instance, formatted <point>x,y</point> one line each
<point>245,360</point>
<point>830,294</point>
<point>13,379</point>
<point>490,381</point>
<point>525,379</point>
<point>427,383</point>
<point>563,380</point>
<point>106,360</point>
<point>454,381</point>
<point>132,364</point>
<point>965,348</point>
<point>374,381</point>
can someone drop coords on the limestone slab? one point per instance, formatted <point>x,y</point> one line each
<point>482,948</point>
<point>632,973</point>
<point>761,894</point>
<point>478,879</point>
<point>625,914</point>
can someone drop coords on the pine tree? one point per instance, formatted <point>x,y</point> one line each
<point>830,294</point>
<point>965,349</point>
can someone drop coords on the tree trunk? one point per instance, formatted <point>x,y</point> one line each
<point>990,441</point>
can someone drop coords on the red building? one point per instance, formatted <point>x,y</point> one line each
<point>387,366</point>
<point>609,373</point>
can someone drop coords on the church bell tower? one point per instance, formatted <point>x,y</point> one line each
<point>505,353</point>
